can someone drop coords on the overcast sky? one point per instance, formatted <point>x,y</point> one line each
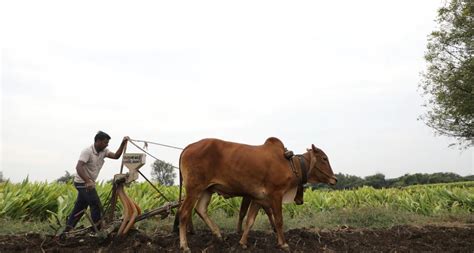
<point>342,75</point>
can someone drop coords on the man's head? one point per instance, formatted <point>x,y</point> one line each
<point>101,141</point>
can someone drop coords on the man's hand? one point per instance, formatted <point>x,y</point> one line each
<point>119,151</point>
<point>90,185</point>
<point>125,139</point>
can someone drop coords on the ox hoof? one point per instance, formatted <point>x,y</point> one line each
<point>186,250</point>
<point>243,245</point>
<point>285,247</point>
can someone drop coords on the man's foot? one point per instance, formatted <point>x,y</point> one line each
<point>62,235</point>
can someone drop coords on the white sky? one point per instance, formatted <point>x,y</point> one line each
<point>340,74</point>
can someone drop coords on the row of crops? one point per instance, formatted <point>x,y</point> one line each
<point>39,201</point>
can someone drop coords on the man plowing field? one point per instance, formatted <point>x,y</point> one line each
<point>88,167</point>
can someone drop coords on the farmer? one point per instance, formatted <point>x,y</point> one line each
<point>88,168</point>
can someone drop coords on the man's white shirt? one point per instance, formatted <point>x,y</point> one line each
<point>94,161</point>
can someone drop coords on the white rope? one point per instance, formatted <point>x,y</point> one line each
<point>146,152</point>
<point>159,144</point>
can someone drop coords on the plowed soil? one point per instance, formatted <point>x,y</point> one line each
<point>459,238</point>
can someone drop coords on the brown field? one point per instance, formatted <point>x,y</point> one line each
<point>445,238</point>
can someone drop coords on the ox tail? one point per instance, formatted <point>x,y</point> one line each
<point>176,218</point>
<point>180,178</point>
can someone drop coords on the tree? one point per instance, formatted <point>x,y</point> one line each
<point>445,177</point>
<point>163,172</point>
<point>67,178</point>
<point>376,181</point>
<point>345,181</point>
<point>468,178</point>
<point>1,177</point>
<point>448,81</point>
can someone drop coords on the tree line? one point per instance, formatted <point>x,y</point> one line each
<point>345,181</point>
<point>162,172</point>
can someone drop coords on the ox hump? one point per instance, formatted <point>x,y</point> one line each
<point>274,142</point>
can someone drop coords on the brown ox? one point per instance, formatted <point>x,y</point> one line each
<point>260,173</point>
<point>299,164</point>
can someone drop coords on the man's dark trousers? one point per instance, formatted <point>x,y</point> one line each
<point>85,198</point>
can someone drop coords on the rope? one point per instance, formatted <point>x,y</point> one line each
<point>159,144</point>
<point>146,152</point>
<point>153,186</point>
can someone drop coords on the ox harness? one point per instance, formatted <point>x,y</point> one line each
<point>304,173</point>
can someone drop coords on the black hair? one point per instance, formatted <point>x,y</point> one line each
<point>100,136</point>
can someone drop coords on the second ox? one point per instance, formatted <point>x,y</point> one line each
<point>259,173</point>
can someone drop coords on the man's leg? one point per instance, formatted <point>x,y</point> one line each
<point>95,205</point>
<point>79,208</point>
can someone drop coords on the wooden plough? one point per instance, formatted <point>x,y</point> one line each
<point>131,212</point>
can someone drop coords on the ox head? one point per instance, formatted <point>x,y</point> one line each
<point>320,170</point>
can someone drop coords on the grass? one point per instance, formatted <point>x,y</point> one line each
<point>16,226</point>
<point>54,201</point>
<point>360,218</point>
<point>34,207</point>
<point>356,218</point>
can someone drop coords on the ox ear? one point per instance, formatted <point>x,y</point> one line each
<point>313,147</point>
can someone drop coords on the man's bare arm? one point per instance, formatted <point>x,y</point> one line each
<point>119,151</point>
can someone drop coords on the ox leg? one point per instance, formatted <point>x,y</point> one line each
<point>201,210</point>
<point>191,226</point>
<point>277,214</point>
<point>252,214</point>
<point>271,219</point>
<point>185,212</point>
<point>176,224</point>
<point>244,206</point>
